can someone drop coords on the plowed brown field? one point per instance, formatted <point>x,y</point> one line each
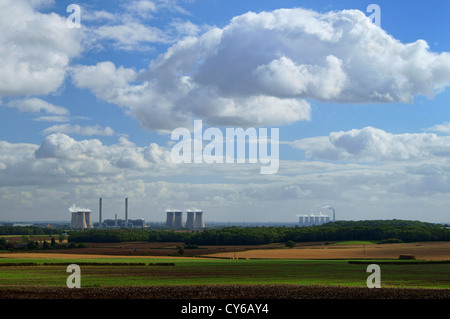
<point>222,292</point>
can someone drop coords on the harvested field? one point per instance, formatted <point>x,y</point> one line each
<point>422,251</point>
<point>222,292</point>
<point>153,249</point>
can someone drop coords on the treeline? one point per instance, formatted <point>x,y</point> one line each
<point>28,244</point>
<point>336,231</point>
<point>108,235</point>
<point>28,230</point>
<point>406,231</point>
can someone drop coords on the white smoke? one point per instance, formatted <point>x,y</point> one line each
<point>75,208</point>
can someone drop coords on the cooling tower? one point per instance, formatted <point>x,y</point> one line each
<point>81,220</point>
<point>316,220</point>
<point>169,219</point>
<point>322,219</point>
<point>74,221</point>
<point>88,220</point>
<point>178,220</point>
<point>190,220</point>
<point>199,220</point>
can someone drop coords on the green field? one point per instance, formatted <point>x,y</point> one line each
<point>222,272</point>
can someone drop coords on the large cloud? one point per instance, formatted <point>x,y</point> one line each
<point>122,155</point>
<point>35,48</point>
<point>261,68</point>
<point>372,145</point>
<point>60,159</point>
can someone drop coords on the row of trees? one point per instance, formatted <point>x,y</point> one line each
<point>407,231</point>
<point>29,244</point>
<point>108,236</point>
<point>28,230</point>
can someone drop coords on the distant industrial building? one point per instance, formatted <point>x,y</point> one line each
<point>174,219</point>
<point>312,220</point>
<point>122,223</point>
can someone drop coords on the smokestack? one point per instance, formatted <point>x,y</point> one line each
<point>126,212</point>
<point>190,219</point>
<point>199,224</point>
<point>115,221</point>
<point>170,219</point>
<point>178,222</point>
<point>334,215</point>
<point>100,213</point>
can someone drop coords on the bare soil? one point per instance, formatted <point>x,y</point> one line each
<point>222,292</point>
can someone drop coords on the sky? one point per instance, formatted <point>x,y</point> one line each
<point>90,96</point>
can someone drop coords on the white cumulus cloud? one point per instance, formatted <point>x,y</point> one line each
<point>79,130</point>
<point>371,144</point>
<point>35,48</point>
<point>261,68</point>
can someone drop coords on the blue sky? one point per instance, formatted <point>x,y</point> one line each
<point>362,111</point>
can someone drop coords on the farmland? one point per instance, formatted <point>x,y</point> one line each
<point>329,261</point>
<point>264,271</point>
<point>187,271</point>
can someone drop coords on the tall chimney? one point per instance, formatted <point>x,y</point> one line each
<point>126,212</point>
<point>100,214</point>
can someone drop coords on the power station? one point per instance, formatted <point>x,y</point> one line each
<point>194,221</point>
<point>312,220</point>
<point>81,219</point>
<point>315,220</point>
